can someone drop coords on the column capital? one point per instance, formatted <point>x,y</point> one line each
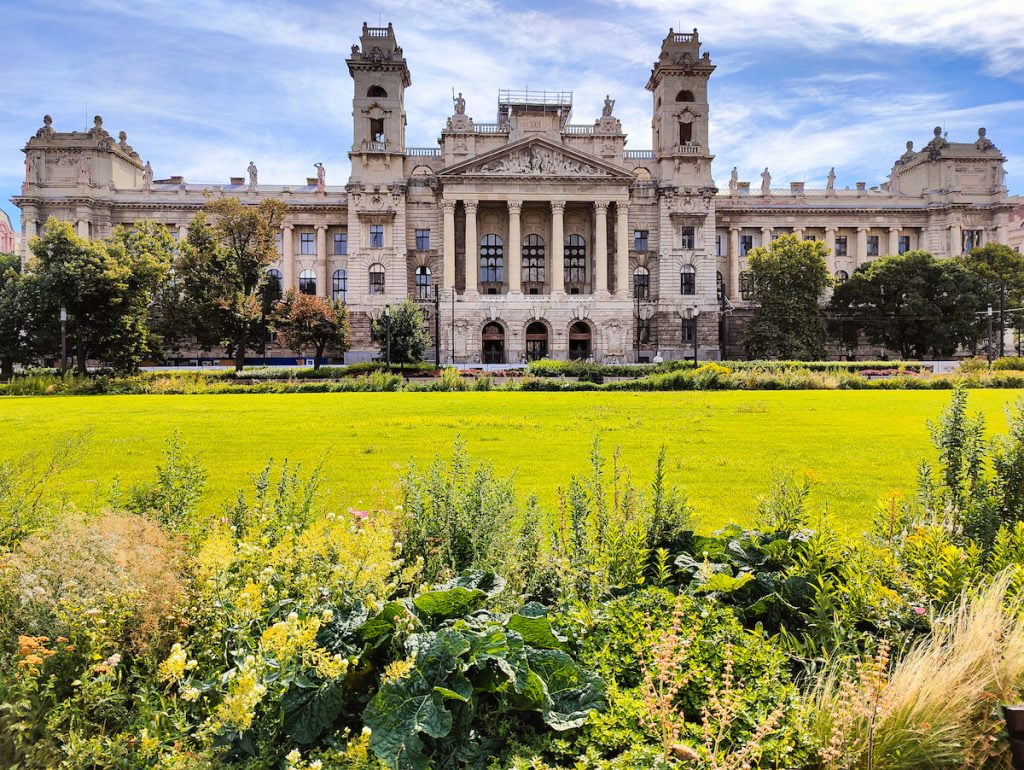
<point>320,227</point>
<point>601,206</point>
<point>448,205</point>
<point>862,228</point>
<point>895,229</point>
<point>288,227</point>
<point>622,206</point>
<point>557,206</point>
<point>514,206</point>
<point>766,228</point>
<point>734,228</point>
<point>471,205</point>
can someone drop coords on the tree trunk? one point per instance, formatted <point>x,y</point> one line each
<point>6,368</point>
<point>318,356</point>
<point>240,352</point>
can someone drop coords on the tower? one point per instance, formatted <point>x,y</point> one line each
<point>679,84</point>
<point>380,76</point>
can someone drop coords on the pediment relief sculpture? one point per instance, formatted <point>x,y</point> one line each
<point>539,161</point>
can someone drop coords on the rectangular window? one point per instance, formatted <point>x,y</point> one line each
<point>689,329</point>
<point>279,243</point>
<point>718,245</point>
<point>841,246</point>
<point>688,237</point>
<point>376,236</point>
<point>341,243</point>
<point>746,285</point>
<point>307,243</point>
<point>972,239</point>
<point>422,240</point>
<point>872,245</point>
<point>639,240</point>
<point>746,244</point>
<point>810,237</point>
<point>904,246</point>
<point>688,280</point>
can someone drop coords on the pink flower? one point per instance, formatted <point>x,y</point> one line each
<point>358,514</point>
<point>919,610</point>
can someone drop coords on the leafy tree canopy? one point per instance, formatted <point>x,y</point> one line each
<point>303,321</point>
<point>408,335</point>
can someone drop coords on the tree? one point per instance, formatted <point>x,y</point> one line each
<point>223,273</point>
<point>912,303</point>
<point>787,281</point>
<point>408,336</point>
<point>106,287</point>
<point>304,321</point>
<point>14,347</point>
<point>1002,270</point>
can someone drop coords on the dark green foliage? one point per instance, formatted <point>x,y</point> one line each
<point>788,280</point>
<point>408,334</point>
<point>913,303</point>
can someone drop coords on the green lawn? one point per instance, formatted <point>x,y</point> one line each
<point>723,447</point>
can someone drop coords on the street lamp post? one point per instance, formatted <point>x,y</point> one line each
<point>989,314</point>
<point>437,326</point>
<point>696,312</point>
<point>63,340</point>
<point>387,333</point>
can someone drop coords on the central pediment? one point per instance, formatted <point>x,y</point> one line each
<point>536,157</point>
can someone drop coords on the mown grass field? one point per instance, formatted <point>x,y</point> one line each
<point>723,447</point>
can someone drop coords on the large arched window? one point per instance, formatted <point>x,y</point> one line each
<point>274,288</point>
<point>684,96</point>
<point>533,262</point>
<point>339,285</point>
<point>575,263</point>
<point>536,341</point>
<point>492,259</point>
<point>493,343</point>
<point>421,279</point>
<point>376,278</point>
<point>688,280</point>
<point>307,282</point>
<point>377,91</point>
<point>641,283</point>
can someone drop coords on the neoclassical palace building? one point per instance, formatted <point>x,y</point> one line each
<point>540,236</point>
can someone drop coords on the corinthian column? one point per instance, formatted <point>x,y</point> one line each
<point>557,251</point>
<point>601,248</point>
<point>514,251</point>
<point>448,235</point>
<point>622,250</point>
<point>287,258</point>
<point>734,263</point>
<point>321,260</point>
<point>472,248</point>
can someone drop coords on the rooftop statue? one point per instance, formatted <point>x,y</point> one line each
<point>609,105</point>
<point>734,180</point>
<point>830,184</point>
<point>147,177</point>
<point>766,182</point>
<point>984,143</point>
<point>460,105</point>
<point>321,183</point>
<point>252,174</point>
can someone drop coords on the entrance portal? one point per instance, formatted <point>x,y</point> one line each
<point>493,338</point>
<point>536,341</point>
<point>579,340</point>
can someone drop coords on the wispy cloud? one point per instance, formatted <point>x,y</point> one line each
<point>203,86</point>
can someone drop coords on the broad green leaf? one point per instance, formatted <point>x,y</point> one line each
<point>399,712</point>
<point>721,583</point>
<point>308,712</point>
<point>532,624</point>
<point>571,692</point>
<point>382,625</point>
<point>450,603</point>
<point>484,580</point>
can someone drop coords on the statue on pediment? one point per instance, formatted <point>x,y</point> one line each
<point>460,105</point>
<point>321,179</point>
<point>734,181</point>
<point>909,154</point>
<point>609,105</point>
<point>766,182</point>
<point>983,143</point>
<point>97,127</point>
<point>830,183</point>
<point>253,172</point>
<point>147,177</point>
<point>46,130</point>
<point>937,144</point>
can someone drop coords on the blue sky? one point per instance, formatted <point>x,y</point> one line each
<point>203,86</point>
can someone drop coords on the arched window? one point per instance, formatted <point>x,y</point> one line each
<point>377,91</point>
<point>575,263</point>
<point>536,341</point>
<point>493,343</point>
<point>579,341</point>
<point>533,262</point>
<point>376,278</point>
<point>339,285</point>
<point>684,96</point>
<point>307,282</point>
<point>688,280</point>
<point>842,276</point>
<point>720,286</point>
<point>492,260</point>
<point>273,289</point>
<point>641,283</point>
<point>421,279</point>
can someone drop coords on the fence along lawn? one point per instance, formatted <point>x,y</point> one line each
<point>723,447</point>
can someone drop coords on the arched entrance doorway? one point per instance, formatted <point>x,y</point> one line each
<point>536,341</point>
<point>579,340</point>
<point>493,338</point>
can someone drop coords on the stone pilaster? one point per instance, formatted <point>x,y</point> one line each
<point>734,263</point>
<point>557,251</point>
<point>601,249</point>
<point>514,251</point>
<point>321,261</point>
<point>622,277</point>
<point>448,237</point>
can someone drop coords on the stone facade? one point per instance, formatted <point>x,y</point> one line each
<point>533,235</point>
<point>8,236</point>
